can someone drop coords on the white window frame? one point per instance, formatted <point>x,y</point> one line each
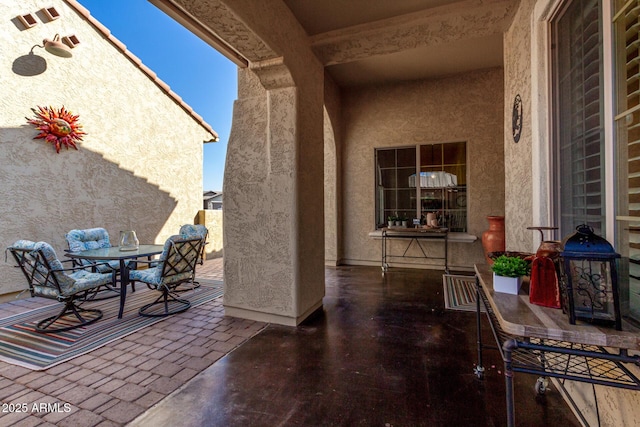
<point>542,119</point>
<point>418,166</point>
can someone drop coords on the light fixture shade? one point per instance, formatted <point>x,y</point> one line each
<point>57,48</point>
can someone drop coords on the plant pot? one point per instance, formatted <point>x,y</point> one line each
<point>493,239</point>
<point>390,223</point>
<point>507,285</point>
<point>404,224</point>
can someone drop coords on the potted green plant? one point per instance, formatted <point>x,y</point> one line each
<point>508,272</point>
<point>404,220</point>
<point>391,221</point>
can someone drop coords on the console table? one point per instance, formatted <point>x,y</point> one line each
<point>414,235</point>
<point>541,341</point>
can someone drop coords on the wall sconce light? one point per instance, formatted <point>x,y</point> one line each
<point>56,47</point>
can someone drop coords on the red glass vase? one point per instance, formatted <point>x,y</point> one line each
<point>543,287</point>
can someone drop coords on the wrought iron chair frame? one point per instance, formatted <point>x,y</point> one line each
<point>107,289</point>
<point>202,232</point>
<point>174,262</point>
<point>39,273</point>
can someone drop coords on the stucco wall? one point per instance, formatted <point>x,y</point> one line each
<point>258,212</point>
<point>212,219</point>
<point>518,160</point>
<point>137,168</point>
<point>466,107</point>
<point>332,174</point>
<point>274,175</point>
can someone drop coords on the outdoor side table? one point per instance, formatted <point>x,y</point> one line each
<point>415,235</point>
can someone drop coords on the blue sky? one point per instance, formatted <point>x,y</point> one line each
<point>203,78</point>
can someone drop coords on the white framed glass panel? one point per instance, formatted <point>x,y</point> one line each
<point>433,174</point>
<point>626,24</point>
<point>578,89</point>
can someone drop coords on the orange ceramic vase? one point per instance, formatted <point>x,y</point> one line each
<point>493,238</point>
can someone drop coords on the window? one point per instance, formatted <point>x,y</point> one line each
<point>578,125</point>
<point>433,174</point>
<point>626,22</point>
<point>579,57</point>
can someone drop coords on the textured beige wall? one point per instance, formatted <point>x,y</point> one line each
<point>259,215</point>
<point>332,174</point>
<point>465,107</point>
<point>518,156</point>
<point>212,219</point>
<point>274,173</point>
<point>134,169</point>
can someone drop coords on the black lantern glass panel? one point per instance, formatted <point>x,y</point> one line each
<point>590,279</point>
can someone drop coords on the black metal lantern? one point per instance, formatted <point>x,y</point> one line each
<point>590,278</point>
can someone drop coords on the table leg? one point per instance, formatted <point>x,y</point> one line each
<point>479,369</point>
<point>446,253</point>
<point>382,252</point>
<point>385,266</point>
<point>124,283</point>
<point>508,347</point>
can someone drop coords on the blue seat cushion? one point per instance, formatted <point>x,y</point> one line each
<point>70,282</point>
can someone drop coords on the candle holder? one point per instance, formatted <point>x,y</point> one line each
<point>590,278</point>
<point>128,241</point>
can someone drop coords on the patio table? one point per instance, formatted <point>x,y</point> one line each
<point>415,235</point>
<point>114,253</point>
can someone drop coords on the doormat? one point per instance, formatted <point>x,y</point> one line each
<point>21,345</point>
<point>460,292</point>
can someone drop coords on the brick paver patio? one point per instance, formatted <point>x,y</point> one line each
<point>114,384</point>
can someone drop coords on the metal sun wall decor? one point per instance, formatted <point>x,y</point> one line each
<point>516,118</point>
<point>59,127</point>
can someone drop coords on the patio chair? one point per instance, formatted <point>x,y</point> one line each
<point>94,238</point>
<point>48,278</point>
<point>196,230</point>
<point>175,266</point>
<point>201,231</point>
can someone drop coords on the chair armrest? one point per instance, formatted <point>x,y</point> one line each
<point>74,261</point>
<point>141,261</point>
<point>81,267</point>
<point>150,263</point>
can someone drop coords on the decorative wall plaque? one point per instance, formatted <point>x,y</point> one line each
<point>59,127</point>
<point>516,118</point>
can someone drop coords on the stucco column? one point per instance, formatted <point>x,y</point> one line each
<point>273,187</point>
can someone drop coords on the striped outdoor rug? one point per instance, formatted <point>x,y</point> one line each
<point>21,345</point>
<point>459,292</point>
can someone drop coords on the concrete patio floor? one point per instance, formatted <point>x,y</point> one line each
<point>384,352</point>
